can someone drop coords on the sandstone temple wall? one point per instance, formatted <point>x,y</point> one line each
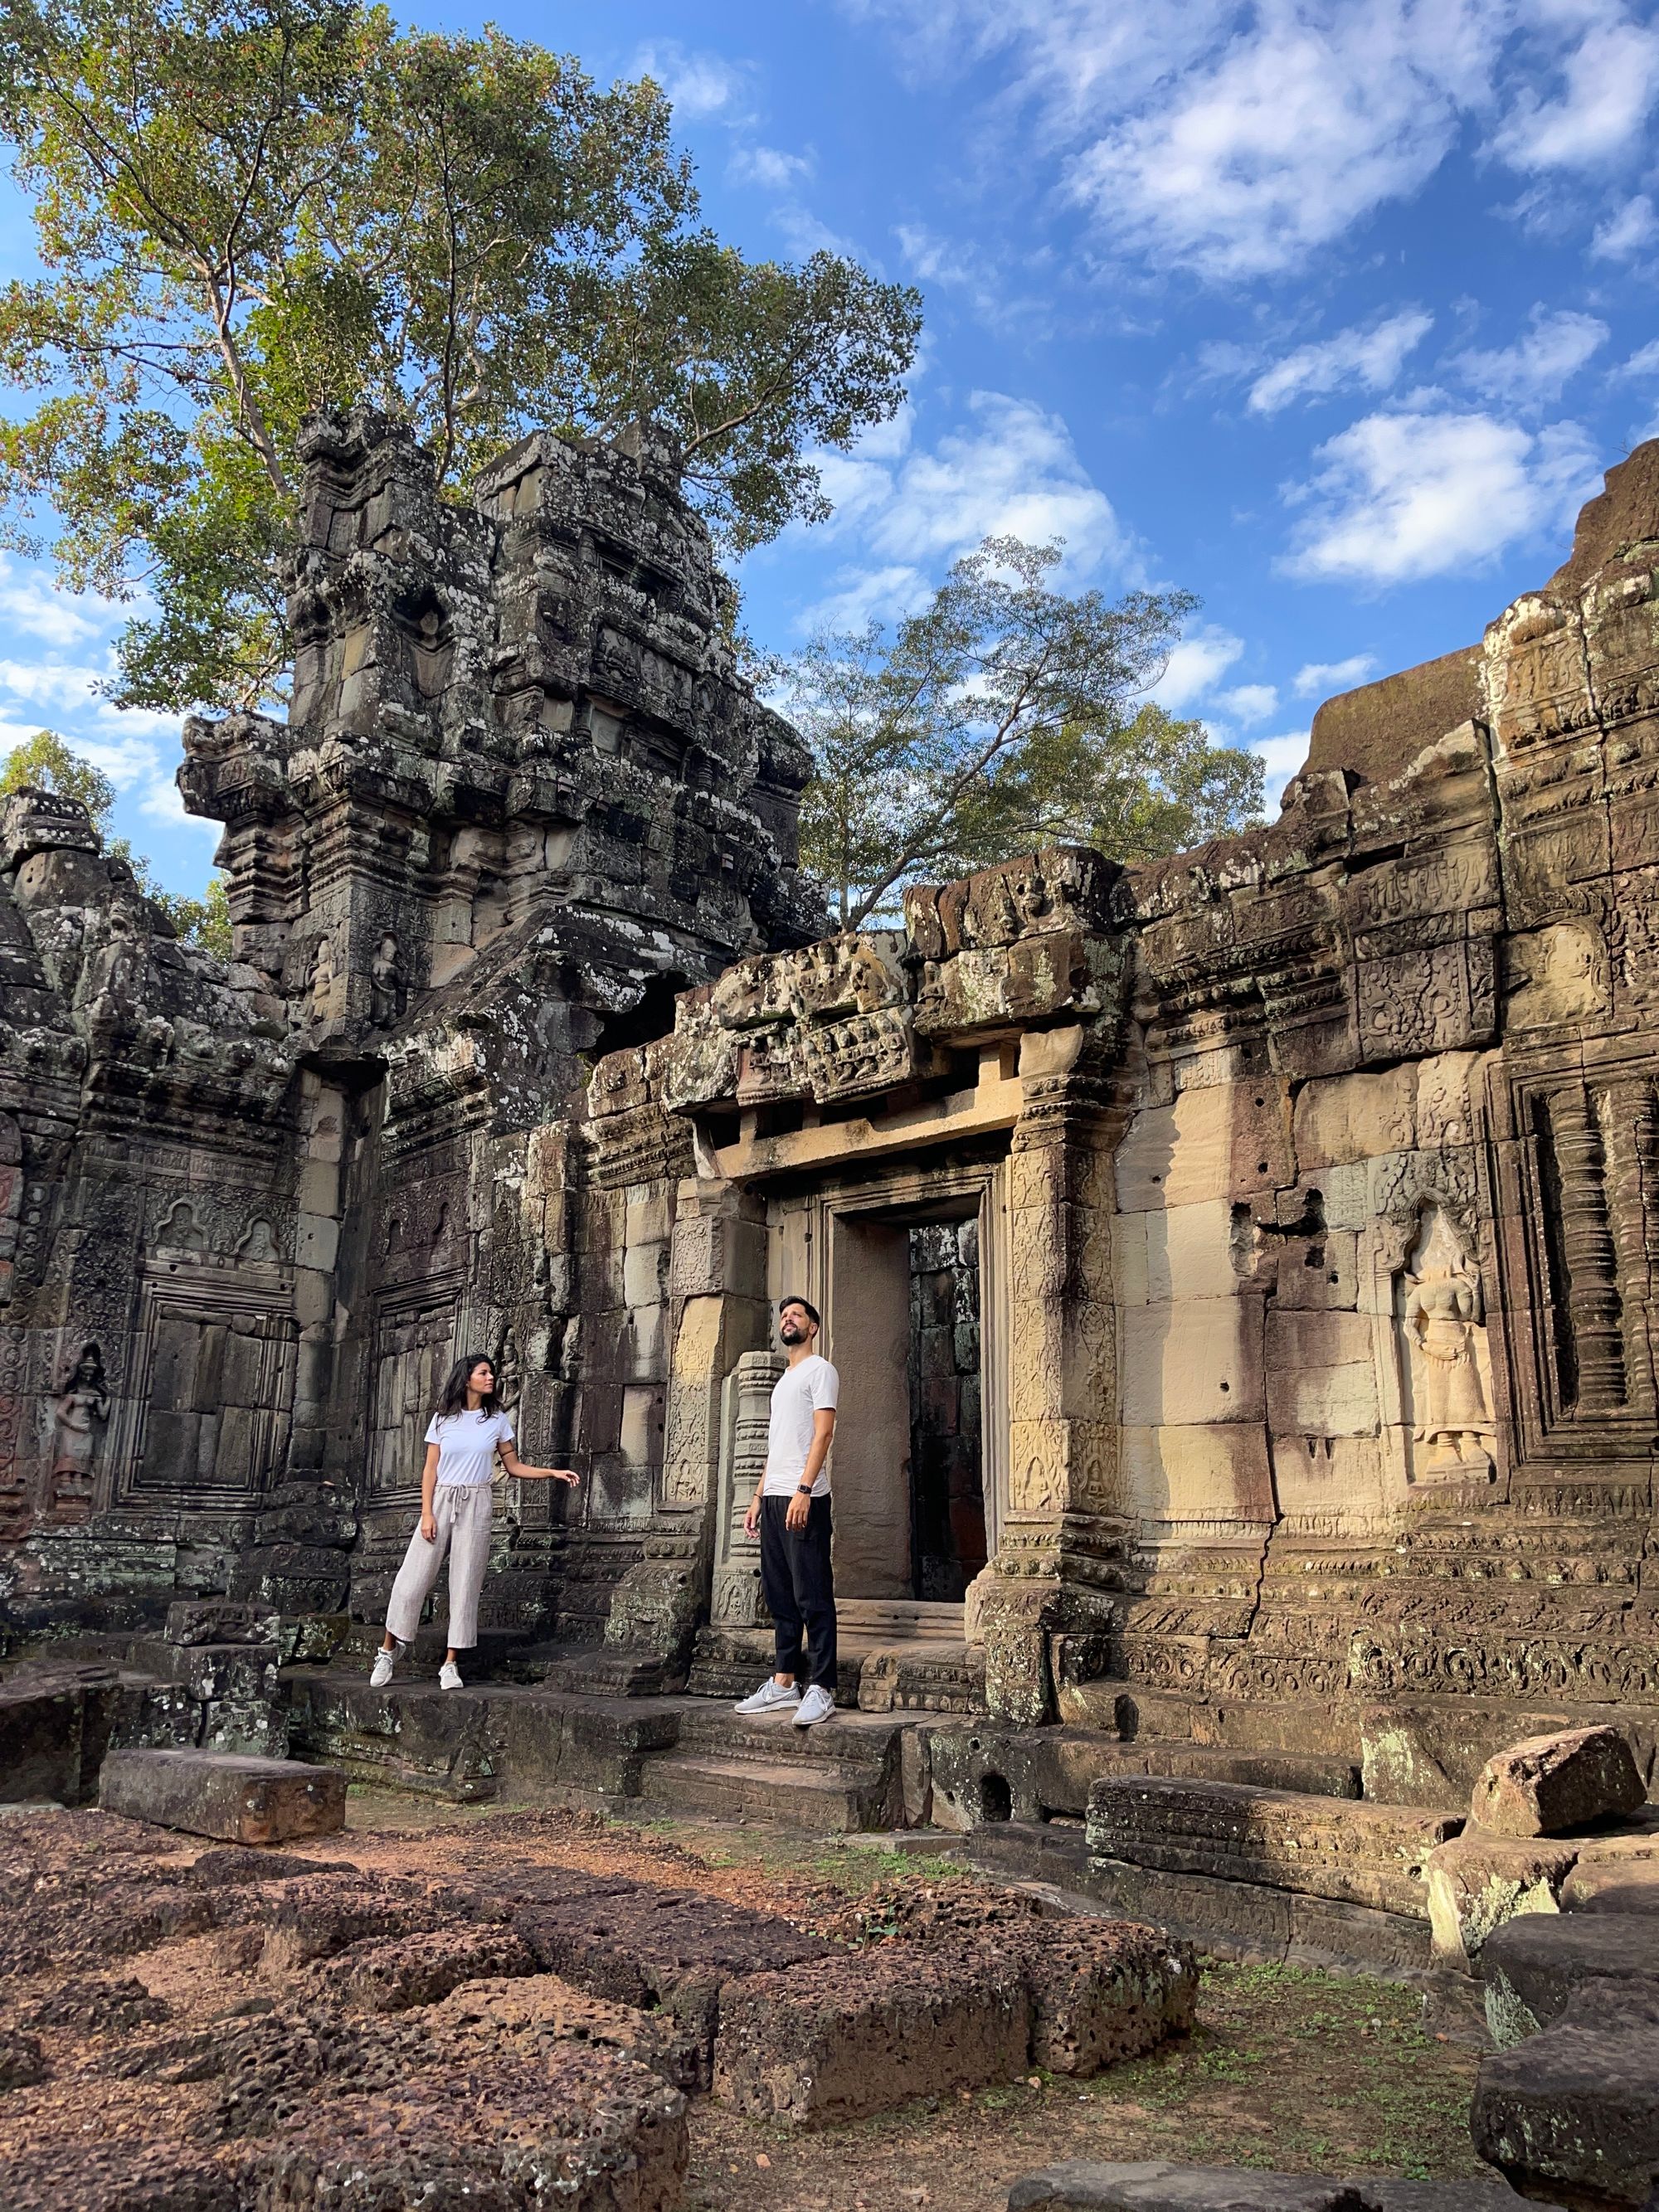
<point>1312,1179</point>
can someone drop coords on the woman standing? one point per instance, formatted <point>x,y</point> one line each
<point>467,1431</point>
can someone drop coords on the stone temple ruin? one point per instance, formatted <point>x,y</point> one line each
<point>1243,1268</point>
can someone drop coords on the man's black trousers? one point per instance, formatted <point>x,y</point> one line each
<point>800,1592</point>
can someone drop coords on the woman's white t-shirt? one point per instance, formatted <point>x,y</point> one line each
<point>467,1445</point>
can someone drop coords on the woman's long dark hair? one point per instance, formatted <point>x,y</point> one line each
<point>454,1398</point>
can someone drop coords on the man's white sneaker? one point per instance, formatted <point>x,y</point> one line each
<point>816,1705</point>
<point>381,1672</point>
<point>449,1676</point>
<point>772,1697</point>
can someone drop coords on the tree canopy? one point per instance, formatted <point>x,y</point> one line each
<point>1005,715</point>
<point>46,762</point>
<point>247,209</point>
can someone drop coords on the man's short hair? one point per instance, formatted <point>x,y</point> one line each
<point>806,1307</point>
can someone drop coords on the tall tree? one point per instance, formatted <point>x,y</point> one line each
<point>44,762</point>
<point>1005,715</point>
<point>249,208</point>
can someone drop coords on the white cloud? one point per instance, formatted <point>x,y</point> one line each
<point>1249,702</point>
<point>772,170</point>
<point>1630,230</point>
<point>59,619</point>
<point>1320,678</point>
<point>1372,357</point>
<point>700,86</point>
<point>1608,83</point>
<point>1538,368</point>
<point>1282,757</point>
<point>1239,140</point>
<point>1396,497</point>
<point>1010,470</point>
<point>1644,362</point>
<point>1195,667</point>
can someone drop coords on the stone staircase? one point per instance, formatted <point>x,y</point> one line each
<point>642,1757</point>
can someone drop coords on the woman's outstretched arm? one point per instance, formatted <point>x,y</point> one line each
<point>515,1465</point>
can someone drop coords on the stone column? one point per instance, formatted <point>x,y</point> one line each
<point>1633,1157</point>
<point>1060,1531</point>
<point>1587,1247</point>
<point>717,1311</point>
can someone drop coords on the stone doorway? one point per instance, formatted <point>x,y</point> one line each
<point>908,1275</point>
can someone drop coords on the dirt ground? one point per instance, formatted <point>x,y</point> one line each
<point>1286,2069</point>
<point>1304,2071</point>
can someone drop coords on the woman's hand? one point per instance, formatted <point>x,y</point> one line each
<point>563,1475</point>
<point>429,1524</point>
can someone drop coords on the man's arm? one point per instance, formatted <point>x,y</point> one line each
<point>824,1430</point>
<point>752,1518</point>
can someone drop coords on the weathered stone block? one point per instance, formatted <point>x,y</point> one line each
<point>1552,1783</point>
<point>1155,2184</point>
<point>239,1801</point>
<point>1193,1363</point>
<point>1345,1118</point>
<point>1575,2111</point>
<point>1533,1967</point>
<point>848,2036</point>
<point>1368,1855</point>
<point>1479,1881</point>
<point>1216,1471</point>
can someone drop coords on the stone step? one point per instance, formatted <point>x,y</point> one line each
<point>864,1740</point>
<point>884,1621</point>
<point>816,1796</point>
<point>1359,1854</point>
<point>1306,1773</point>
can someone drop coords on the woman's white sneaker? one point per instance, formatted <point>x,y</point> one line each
<point>772,1697</point>
<point>449,1676</point>
<point>816,1705</point>
<point>381,1672</point>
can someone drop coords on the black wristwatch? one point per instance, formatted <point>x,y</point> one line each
<point>803,1490</point>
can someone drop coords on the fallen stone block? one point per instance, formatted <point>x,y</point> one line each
<point>1156,2184</point>
<point>1358,1854</point>
<point>587,2130</point>
<point>864,2032</point>
<point>236,1800</point>
<point>1101,1991</point>
<point>660,1949</point>
<point>412,1970</point>
<point>1533,1967</point>
<point>1575,2111</point>
<point>1550,1784</point>
<point>534,2015</point>
<point>1479,1881</point>
<point>1614,1874</point>
<point>323,1915</point>
<point>121,2176</point>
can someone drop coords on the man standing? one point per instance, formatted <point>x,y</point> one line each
<point>790,1510</point>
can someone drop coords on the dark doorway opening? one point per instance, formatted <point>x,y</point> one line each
<point>947,1479</point>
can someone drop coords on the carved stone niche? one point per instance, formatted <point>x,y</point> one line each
<point>1437,1401</point>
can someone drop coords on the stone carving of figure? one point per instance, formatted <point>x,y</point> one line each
<point>509,1376</point>
<point>322,980</point>
<point>257,1242</point>
<point>1443,1330</point>
<point>84,1403</point>
<point>118,973</point>
<point>181,1232</point>
<point>387,991</point>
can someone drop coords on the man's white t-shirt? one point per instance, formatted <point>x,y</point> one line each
<point>467,1445</point>
<point>798,1393</point>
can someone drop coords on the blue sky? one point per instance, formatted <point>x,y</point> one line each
<point>1332,313</point>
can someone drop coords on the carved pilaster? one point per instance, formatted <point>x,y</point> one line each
<point>1059,1529</point>
<point>1632,1137</point>
<point>1590,1310</point>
